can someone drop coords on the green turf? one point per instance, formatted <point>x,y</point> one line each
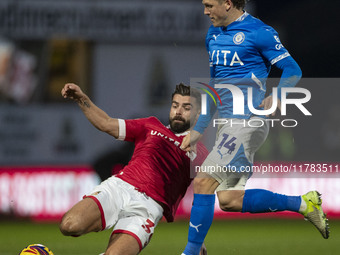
<point>234,237</point>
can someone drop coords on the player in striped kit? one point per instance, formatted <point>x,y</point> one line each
<point>241,51</point>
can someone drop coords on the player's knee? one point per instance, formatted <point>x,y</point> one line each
<point>70,225</point>
<point>230,205</point>
<point>204,185</point>
<point>226,206</point>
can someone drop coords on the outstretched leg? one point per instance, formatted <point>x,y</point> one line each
<point>122,244</point>
<point>262,201</point>
<point>313,212</point>
<point>82,218</point>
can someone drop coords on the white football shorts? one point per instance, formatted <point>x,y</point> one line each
<point>231,159</point>
<point>128,210</point>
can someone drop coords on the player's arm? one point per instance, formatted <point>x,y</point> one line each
<point>271,48</point>
<point>100,119</point>
<point>190,140</point>
<point>291,74</point>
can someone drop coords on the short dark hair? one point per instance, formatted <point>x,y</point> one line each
<point>239,4</point>
<point>185,90</point>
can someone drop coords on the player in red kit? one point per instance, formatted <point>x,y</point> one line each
<point>150,186</point>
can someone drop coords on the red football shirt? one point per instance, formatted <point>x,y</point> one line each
<point>158,167</point>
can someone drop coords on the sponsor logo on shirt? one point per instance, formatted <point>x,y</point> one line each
<point>215,36</point>
<point>192,155</point>
<point>278,46</point>
<point>156,133</point>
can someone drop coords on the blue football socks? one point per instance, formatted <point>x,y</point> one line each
<point>254,201</point>
<point>261,201</point>
<point>202,214</point>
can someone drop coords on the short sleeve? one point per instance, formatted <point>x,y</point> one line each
<point>122,129</point>
<point>130,130</point>
<point>270,46</point>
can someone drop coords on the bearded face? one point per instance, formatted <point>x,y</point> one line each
<point>183,113</point>
<point>178,124</point>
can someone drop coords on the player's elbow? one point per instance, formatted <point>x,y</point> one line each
<point>109,126</point>
<point>298,72</point>
<point>293,70</point>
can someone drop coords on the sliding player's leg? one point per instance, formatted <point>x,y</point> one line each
<point>82,218</point>
<point>95,212</point>
<point>122,244</point>
<point>133,231</point>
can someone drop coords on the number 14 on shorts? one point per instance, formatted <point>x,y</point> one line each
<point>227,145</point>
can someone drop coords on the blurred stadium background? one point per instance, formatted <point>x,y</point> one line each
<point>128,55</point>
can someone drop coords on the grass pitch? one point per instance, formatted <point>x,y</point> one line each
<point>234,237</point>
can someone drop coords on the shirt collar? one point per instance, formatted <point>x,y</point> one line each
<point>243,16</point>
<point>239,19</point>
